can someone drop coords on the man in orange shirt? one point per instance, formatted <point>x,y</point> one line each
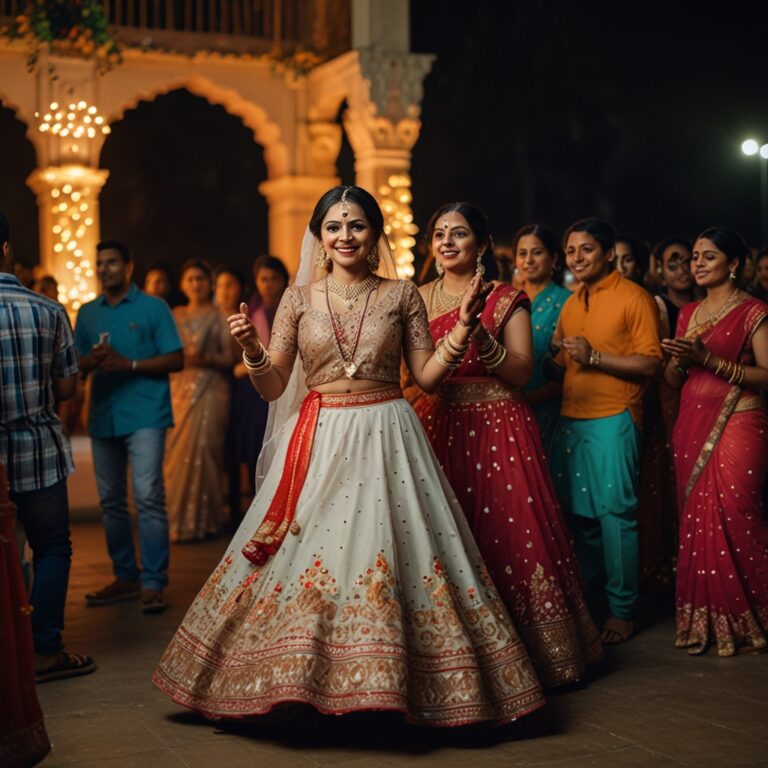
<point>606,348</point>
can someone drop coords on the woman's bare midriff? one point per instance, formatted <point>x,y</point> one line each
<point>346,386</point>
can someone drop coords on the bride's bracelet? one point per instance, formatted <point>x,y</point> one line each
<point>259,365</point>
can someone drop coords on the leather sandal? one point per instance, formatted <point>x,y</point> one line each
<point>66,665</point>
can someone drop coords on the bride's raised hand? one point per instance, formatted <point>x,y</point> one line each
<point>244,331</point>
<point>473,303</point>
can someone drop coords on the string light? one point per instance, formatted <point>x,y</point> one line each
<point>395,198</point>
<point>79,120</point>
<point>68,237</point>
<point>74,124</point>
<point>79,123</point>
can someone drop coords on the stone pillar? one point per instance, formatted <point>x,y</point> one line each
<point>68,202</point>
<point>291,201</point>
<point>69,135</point>
<point>382,123</point>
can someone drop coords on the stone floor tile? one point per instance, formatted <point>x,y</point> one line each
<point>240,753</point>
<point>648,705</point>
<point>628,757</point>
<point>91,735</point>
<point>158,759</point>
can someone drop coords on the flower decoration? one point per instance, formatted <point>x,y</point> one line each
<point>66,28</point>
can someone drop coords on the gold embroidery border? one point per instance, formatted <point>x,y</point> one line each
<point>353,399</point>
<point>479,391</point>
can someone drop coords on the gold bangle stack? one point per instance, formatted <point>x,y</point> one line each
<point>455,351</point>
<point>492,353</point>
<point>259,365</point>
<point>732,372</point>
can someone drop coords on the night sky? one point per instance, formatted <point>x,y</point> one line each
<point>536,111</point>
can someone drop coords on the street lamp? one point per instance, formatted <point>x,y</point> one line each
<point>750,148</point>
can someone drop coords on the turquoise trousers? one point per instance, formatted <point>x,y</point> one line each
<point>594,465</point>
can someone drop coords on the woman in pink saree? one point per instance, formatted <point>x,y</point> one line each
<point>486,439</point>
<point>720,359</point>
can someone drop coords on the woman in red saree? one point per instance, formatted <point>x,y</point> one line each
<point>720,359</point>
<point>487,441</point>
<point>23,741</point>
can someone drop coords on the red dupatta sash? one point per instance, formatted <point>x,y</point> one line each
<point>708,401</point>
<point>501,304</point>
<point>279,518</point>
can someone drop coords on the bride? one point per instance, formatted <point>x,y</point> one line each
<point>353,582</point>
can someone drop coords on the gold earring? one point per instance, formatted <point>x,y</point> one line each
<point>733,277</point>
<point>439,268</point>
<point>373,258</point>
<point>322,258</point>
<point>480,267</point>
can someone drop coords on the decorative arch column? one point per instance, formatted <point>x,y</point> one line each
<point>69,133</point>
<point>68,204</point>
<point>383,125</point>
<point>292,197</point>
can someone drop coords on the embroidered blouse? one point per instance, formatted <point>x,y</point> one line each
<point>397,321</point>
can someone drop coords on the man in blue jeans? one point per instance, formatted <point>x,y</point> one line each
<point>38,368</point>
<point>129,341</point>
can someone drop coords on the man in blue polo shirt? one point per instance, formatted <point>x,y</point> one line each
<point>129,341</point>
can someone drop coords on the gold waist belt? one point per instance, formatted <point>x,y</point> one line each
<point>479,390</point>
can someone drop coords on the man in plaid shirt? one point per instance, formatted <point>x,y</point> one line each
<point>38,368</point>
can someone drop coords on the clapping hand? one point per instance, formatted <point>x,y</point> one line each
<point>473,303</point>
<point>244,331</point>
<point>686,352</point>
<point>578,348</point>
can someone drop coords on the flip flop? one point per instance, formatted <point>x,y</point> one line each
<point>66,665</point>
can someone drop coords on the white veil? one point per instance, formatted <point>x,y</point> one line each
<point>282,412</point>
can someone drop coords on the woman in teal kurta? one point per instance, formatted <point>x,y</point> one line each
<point>535,251</point>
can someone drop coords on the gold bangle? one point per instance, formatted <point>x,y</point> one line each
<point>706,359</point>
<point>452,351</point>
<point>258,360</point>
<point>455,344</point>
<point>451,364</point>
<point>501,358</point>
<point>259,366</point>
<point>594,358</point>
<point>489,351</point>
<point>494,357</point>
<point>720,363</point>
<point>487,346</point>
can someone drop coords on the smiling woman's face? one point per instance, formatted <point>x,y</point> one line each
<point>454,244</point>
<point>347,239</point>
<point>534,262</point>
<point>710,265</point>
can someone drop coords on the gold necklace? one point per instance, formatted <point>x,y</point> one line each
<point>712,319</point>
<point>441,302</point>
<point>348,361</point>
<point>350,292</point>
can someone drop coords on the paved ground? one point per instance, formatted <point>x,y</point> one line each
<point>651,706</point>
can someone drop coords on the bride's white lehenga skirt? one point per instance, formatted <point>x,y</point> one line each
<point>380,601</point>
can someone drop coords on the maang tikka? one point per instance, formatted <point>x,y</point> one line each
<point>344,203</point>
